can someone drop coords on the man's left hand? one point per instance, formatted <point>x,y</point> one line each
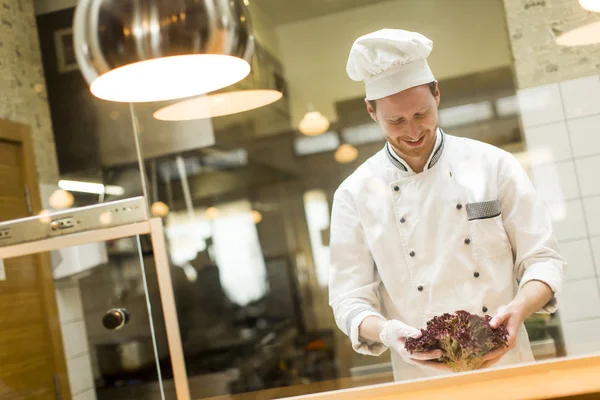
<point>512,316</point>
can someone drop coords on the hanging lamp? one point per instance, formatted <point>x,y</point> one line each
<point>154,50</point>
<point>345,154</point>
<point>257,90</point>
<point>314,123</point>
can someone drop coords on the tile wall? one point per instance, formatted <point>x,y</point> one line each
<point>561,122</point>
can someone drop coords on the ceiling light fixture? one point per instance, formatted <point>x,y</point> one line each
<point>346,154</point>
<point>313,123</point>
<point>257,90</point>
<point>133,51</point>
<point>217,105</point>
<point>212,213</point>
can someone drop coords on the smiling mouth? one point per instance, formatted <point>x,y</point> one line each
<point>415,142</point>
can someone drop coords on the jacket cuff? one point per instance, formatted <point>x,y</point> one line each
<point>552,275</point>
<point>355,318</point>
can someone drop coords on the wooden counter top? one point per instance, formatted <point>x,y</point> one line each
<point>540,380</point>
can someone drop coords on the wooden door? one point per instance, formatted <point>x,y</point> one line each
<point>32,362</point>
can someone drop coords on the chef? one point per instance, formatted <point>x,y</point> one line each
<point>433,223</point>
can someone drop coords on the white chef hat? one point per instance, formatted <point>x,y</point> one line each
<point>390,61</point>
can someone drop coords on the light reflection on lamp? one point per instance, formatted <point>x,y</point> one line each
<point>346,153</point>
<point>590,5</point>
<point>313,124</point>
<point>172,78</point>
<point>584,35</point>
<point>216,105</point>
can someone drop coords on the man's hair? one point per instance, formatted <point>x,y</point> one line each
<point>432,87</point>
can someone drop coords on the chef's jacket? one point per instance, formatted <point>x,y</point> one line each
<point>465,234</point>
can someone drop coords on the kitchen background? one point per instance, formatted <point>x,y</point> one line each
<point>246,198</point>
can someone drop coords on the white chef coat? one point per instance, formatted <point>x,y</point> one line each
<point>465,234</point>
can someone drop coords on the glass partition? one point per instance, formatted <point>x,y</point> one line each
<point>102,300</point>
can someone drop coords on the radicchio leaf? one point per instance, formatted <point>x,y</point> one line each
<point>464,339</point>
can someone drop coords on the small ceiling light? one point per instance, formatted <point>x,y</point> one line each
<point>346,153</point>
<point>590,5</point>
<point>159,209</point>
<point>133,51</point>
<point>313,124</point>
<point>212,213</point>
<point>256,217</point>
<point>584,35</point>
<point>61,199</point>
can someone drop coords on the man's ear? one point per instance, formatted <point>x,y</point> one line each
<point>437,94</point>
<point>371,110</point>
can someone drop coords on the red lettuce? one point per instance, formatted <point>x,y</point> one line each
<point>464,339</point>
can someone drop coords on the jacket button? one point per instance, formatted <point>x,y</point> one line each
<point>467,241</point>
<point>476,274</point>
<point>459,206</point>
<point>396,188</point>
<point>402,220</point>
<point>484,309</point>
<point>420,288</point>
<point>412,254</point>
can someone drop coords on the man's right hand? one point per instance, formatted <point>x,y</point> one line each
<point>394,336</point>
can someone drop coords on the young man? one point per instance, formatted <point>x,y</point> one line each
<point>433,223</point>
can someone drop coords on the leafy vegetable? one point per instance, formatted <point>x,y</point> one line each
<point>464,339</point>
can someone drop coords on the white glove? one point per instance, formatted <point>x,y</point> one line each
<point>394,336</point>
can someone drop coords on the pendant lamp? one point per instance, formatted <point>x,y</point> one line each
<point>313,123</point>
<point>257,90</point>
<point>345,154</point>
<point>155,50</point>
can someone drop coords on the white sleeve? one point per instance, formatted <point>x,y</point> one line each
<point>353,278</point>
<point>529,228</point>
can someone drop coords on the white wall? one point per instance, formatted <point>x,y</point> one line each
<point>562,120</point>
<point>468,36</point>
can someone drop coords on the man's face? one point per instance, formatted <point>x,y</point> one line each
<point>409,120</point>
